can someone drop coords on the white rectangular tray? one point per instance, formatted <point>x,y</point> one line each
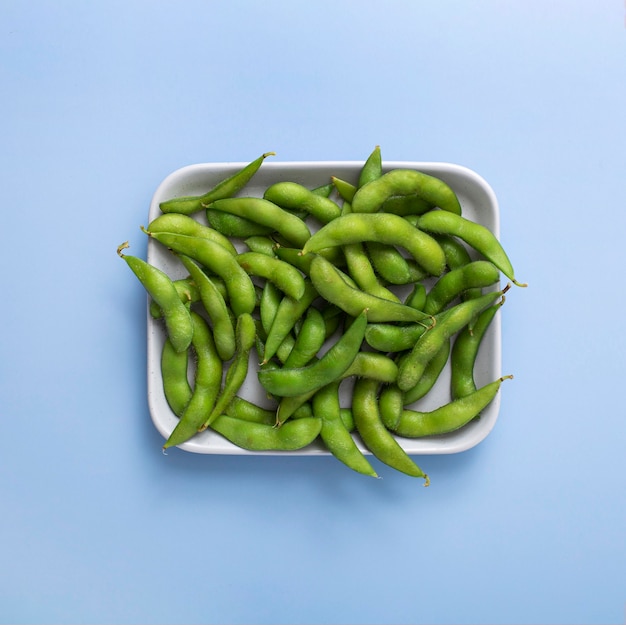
<point>478,202</point>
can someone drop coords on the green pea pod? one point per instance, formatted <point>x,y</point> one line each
<point>449,417</point>
<point>228,187</point>
<point>371,196</point>
<point>208,379</point>
<point>235,226</point>
<point>162,290</point>
<point>289,382</point>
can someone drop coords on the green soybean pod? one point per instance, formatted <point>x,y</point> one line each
<point>475,275</point>
<point>392,266</point>
<point>208,379</point>
<point>287,314</point>
<point>465,351</point>
<point>372,168</point>
<point>216,308</point>
<point>309,340</point>
<point>241,408</point>
<point>235,226</point>
<point>366,365</point>
<point>268,214</point>
<point>271,298</point>
<point>294,196</point>
<point>431,374</point>
<point>261,245</point>
<point>323,190</point>
<point>417,297</point>
<point>215,258</point>
<point>371,196</point>
<point>174,372</point>
<point>406,205</point>
<point>360,268</point>
<point>387,337</point>
<point>411,367</point>
<point>162,290</point>
<point>292,436</point>
<point>381,228</point>
<point>182,224</point>
<point>245,332</point>
<point>334,434</point>
<point>285,276</point>
<point>333,288</point>
<point>187,291</point>
<point>447,418</point>
<point>474,234</point>
<point>345,189</point>
<point>375,435</point>
<point>291,381</point>
<point>227,187</point>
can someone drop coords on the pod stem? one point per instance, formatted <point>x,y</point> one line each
<point>121,247</point>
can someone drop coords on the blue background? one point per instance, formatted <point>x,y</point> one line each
<point>102,100</point>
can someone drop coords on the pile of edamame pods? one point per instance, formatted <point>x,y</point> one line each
<point>369,280</point>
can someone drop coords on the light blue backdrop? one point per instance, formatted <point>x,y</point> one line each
<point>100,101</point>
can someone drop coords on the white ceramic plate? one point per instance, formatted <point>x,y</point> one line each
<point>479,204</point>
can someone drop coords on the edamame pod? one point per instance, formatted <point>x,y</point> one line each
<point>289,382</point>
<point>397,182</point>
<point>382,228</point>
<point>214,257</point>
<point>294,196</point>
<point>182,224</point>
<point>162,290</point>
<point>474,234</point>
<point>375,435</point>
<point>334,433</point>
<point>266,214</point>
<point>225,188</point>
<point>245,332</point>
<point>411,366</point>
<point>252,436</point>
<point>208,378</point>
<point>333,287</point>
<point>285,276</point>
<point>447,418</point>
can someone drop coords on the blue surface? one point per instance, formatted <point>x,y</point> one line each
<point>101,101</point>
